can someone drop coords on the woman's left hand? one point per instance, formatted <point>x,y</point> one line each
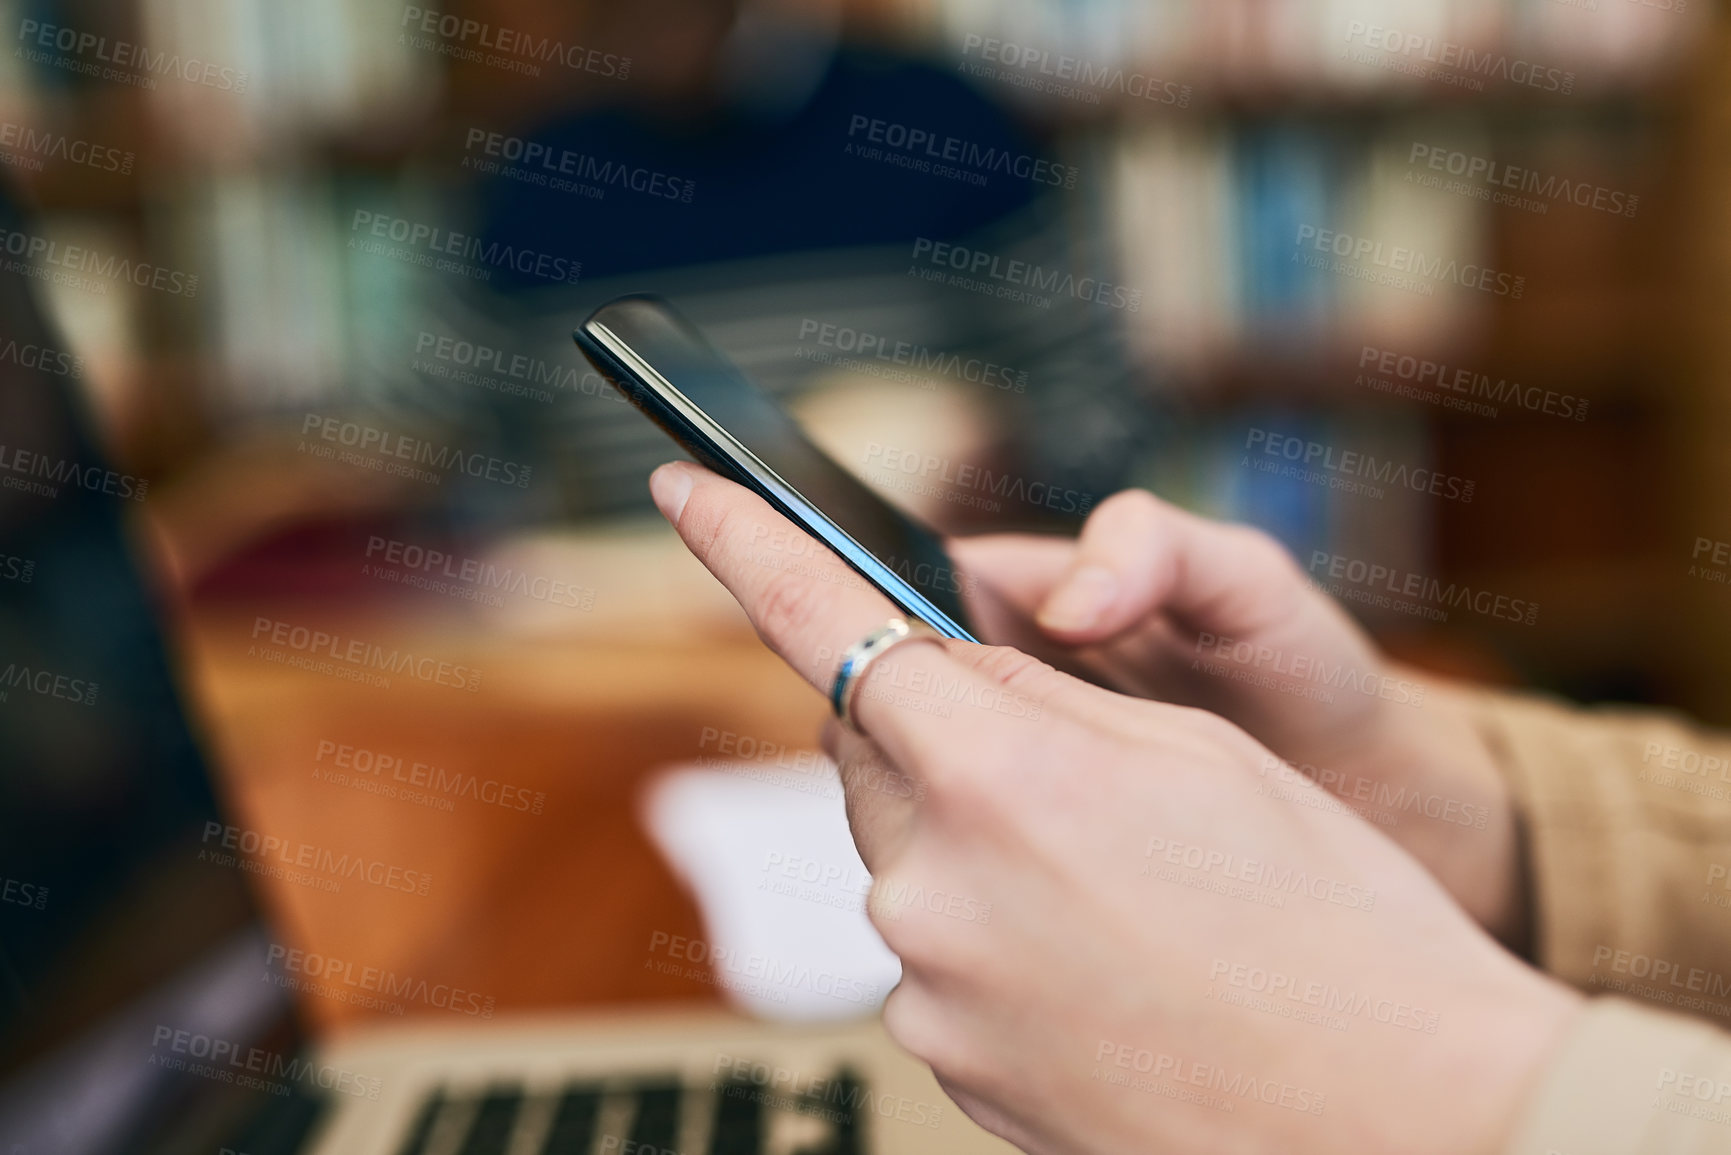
<point>1111,938</point>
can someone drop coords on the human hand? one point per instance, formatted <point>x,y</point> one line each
<point>1157,602</point>
<point>1139,885</point>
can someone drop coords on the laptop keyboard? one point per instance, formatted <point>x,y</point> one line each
<point>648,1116</point>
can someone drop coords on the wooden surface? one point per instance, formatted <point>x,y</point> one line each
<point>530,910</point>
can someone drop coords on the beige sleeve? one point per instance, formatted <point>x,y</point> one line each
<point>1627,820</point>
<point>1627,824</point>
<point>1631,1081</point>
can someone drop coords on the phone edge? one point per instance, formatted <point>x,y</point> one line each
<point>750,470</point>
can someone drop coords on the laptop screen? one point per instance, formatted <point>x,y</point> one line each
<point>133,1012</point>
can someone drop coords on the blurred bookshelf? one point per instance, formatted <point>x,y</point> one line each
<point>217,122</point>
<point>1234,127</point>
<point>1222,130</point>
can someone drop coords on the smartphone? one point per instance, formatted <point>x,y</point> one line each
<point>664,366</point>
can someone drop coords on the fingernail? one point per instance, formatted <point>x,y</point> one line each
<point>1080,600</point>
<point>670,486</point>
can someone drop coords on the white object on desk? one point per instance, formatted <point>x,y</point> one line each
<point>767,851</point>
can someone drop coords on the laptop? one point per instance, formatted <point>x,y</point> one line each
<point>139,1011</point>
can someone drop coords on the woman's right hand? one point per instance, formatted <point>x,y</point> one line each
<point>1154,601</point>
<point>1111,938</point>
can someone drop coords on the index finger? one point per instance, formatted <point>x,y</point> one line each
<point>809,614</point>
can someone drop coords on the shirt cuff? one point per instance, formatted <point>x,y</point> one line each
<point>1627,833</point>
<point>1630,1081</point>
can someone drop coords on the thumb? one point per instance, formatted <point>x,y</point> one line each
<point>1139,556</point>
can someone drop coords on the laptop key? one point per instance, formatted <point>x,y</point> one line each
<point>416,1140</point>
<point>738,1120</point>
<point>849,1095</point>
<point>696,1117</point>
<point>534,1121</point>
<point>573,1129</point>
<point>656,1128</point>
<point>282,1127</point>
<point>495,1120</point>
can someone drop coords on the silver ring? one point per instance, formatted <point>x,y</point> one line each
<point>858,659</point>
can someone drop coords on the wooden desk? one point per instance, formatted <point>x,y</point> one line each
<point>530,910</point>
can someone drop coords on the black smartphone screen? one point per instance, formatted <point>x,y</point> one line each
<point>635,340</point>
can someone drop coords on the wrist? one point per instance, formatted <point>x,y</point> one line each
<point>1492,866</point>
<point>1428,779</point>
<point>1496,1064</point>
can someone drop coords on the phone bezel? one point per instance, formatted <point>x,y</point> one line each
<point>715,444</point>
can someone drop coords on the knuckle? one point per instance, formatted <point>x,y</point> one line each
<point>1261,552</point>
<point>907,1023</point>
<point>1216,728</point>
<point>786,606</point>
<point>969,784</point>
<point>1216,731</point>
<point>912,938</point>
<point>1005,665</point>
<point>1131,507</point>
<point>913,1018</point>
<point>707,524</point>
<point>1273,586</point>
<point>985,782</point>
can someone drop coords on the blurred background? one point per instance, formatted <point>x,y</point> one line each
<point>315,266</point>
